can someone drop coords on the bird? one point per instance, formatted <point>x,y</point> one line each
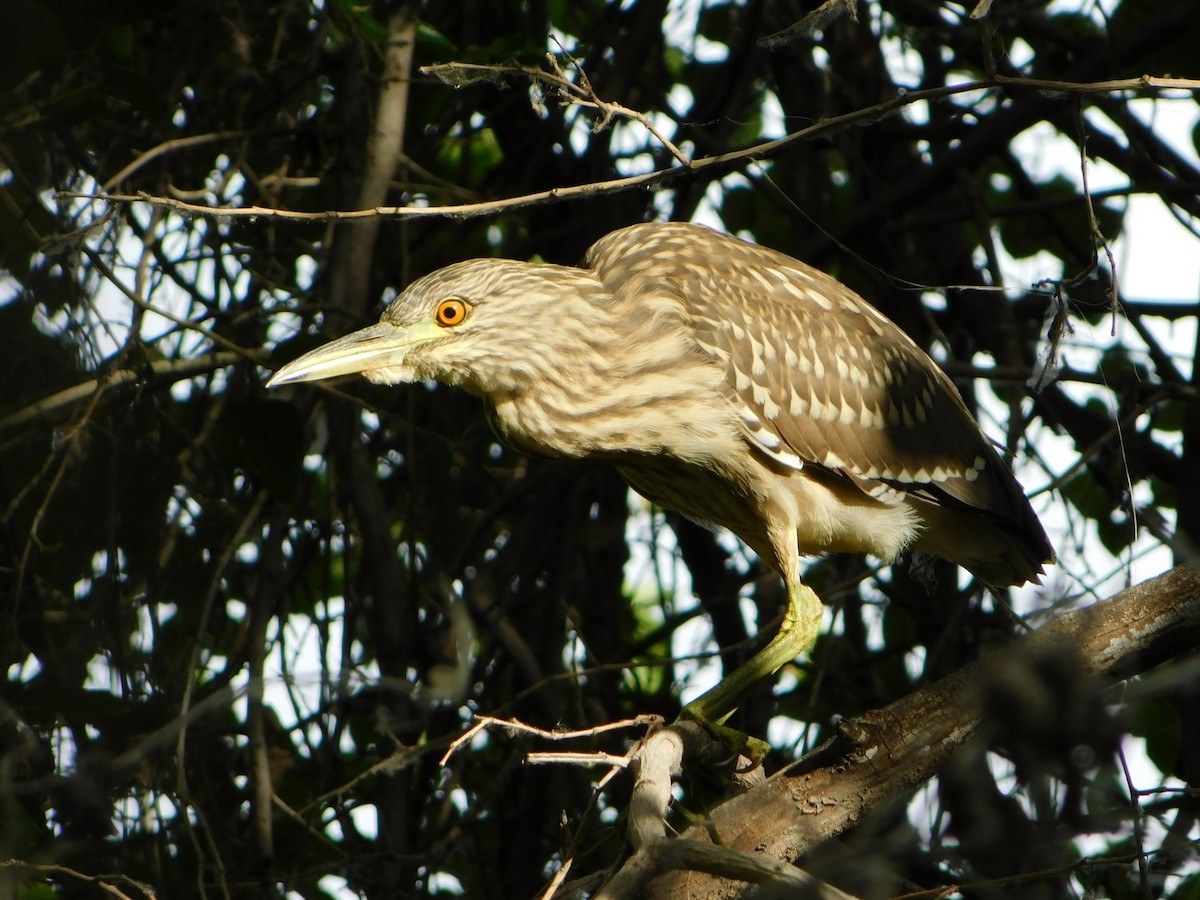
<point>728,381</point>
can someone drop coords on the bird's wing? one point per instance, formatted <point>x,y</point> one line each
<point>823,378</point>
<point>819,376</point>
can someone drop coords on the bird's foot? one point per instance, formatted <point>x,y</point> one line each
<point>739,743</point>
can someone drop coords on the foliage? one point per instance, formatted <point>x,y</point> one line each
<point>241,628</point>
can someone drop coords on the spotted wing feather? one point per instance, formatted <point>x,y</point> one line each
<point>822,378</point>
<point>846,390</point>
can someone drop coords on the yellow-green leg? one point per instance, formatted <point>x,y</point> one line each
<point>796,635</point>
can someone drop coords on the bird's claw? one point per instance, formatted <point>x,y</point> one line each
<point>739,743</point>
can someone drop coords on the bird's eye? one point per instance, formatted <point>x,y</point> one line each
<point>451,312</point>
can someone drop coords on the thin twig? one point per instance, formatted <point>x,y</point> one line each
<point>173,146</point>
<point>817,20</point>
<point>103,268</point>
<point>596,758</point>
<point>103,882</point>
<point>516,726</point>
<point>1098,238</point>
<point>608,109</point>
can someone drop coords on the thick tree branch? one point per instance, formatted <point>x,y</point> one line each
<point>884,754</point>
<point>655,763</point>
<point>355,245</point>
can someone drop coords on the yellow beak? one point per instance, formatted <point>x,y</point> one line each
<point>378,346</point>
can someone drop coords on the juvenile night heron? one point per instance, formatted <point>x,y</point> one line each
<point>727,381</point>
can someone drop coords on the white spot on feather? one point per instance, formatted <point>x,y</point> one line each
<point>818,364</point>
<point>823,412</point>
<point>797,406</point>
<point>791,460</point>
<point>768,439</point>
<point>760,278</point>
<point>976,467</point>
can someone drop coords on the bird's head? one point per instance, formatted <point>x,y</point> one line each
<point>477,324</point>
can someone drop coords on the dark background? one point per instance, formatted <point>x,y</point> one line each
<point>241,628</point>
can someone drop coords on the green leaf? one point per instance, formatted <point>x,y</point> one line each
<point>428,35</point>
<point>36,890</point>
<point>360,21</point>
<point>471,158</point>
<point>1087,496</point>
<point>1160,724</point>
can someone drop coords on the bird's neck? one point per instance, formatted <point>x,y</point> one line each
<point>627,394</point>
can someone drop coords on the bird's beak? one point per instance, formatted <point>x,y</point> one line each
<point>379,346</point>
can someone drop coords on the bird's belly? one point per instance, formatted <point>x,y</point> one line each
<point>702,495</point>
<point>825,513</point>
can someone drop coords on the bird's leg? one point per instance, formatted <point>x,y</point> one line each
<point>797,633</point>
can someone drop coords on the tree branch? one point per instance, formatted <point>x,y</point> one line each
<point>1145,84</point>
<point>153,374</point>
<point>884,754</point>
<point>655,763</point>
<point>355,246</point>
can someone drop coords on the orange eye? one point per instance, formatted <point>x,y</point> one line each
<point>451,312</point>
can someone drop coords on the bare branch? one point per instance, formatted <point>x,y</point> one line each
<point>1145,84</point>
<point>103,268</point>
<point>515,726</point>
<point>158,372</point>
<point>173,146</point>
<point>609,110</point>
<point>105,883</point>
